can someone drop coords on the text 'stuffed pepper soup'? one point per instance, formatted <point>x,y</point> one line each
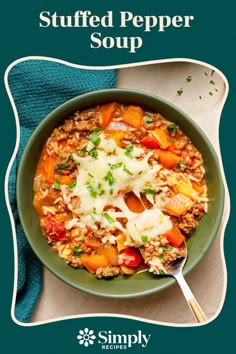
<point>115,180</point>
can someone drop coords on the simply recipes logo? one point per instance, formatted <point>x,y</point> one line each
<point>107,339</point>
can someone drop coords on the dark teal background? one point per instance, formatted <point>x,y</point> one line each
<point>211,39</point>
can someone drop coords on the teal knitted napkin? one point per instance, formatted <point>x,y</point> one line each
<point>37,87</point>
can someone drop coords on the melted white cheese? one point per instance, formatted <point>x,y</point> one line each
<point>147,225</point>
<point>103,180</point>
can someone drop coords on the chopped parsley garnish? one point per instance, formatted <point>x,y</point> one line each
<point>140,172</point>
<point>72,184</point>
<point>91,190</point>
<point>148,119</point>
<point>171,129</point>
<point>161,257</point>
<point>56,185</point>
<point>101,189</point>
<point>109,218</point>
<point>94,138</point>
<point>77,250</point>
<point>82,150</point>
<point>90,175</point>
<point>144,238</point>
<point>125,169</point>
<point>150,191</point>
<point>109,178</point>
<point>62,167</point>
<point>116,165</point>
<point>180,91</point>
<point>98,129</point>
<point>132,239</point>
<point>129,150</point>
<point>170,140</point>
<point>94,213</point>
<point>93,152</point>
<point>183,165</point>
<point>170,248</point>
<point>189,78</point>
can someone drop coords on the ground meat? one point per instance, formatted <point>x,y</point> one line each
<point>181,143</point>
<point>151,249</point>
<point>156,123</point>
<point>99,233</point>
<point>198,173</point>
<point>86,125</point>
<point>161,249</point>
<point>88,115</point>
<point>91,115</point>
<point>188,222</point>
<point>61,206</point>
<point>60,134</point>
<point>107,272</point>
<point>172,256</point>
<point>134,136</point>
<point>69,126</point>
<point>76,262</point>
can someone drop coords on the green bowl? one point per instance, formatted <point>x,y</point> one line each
<point>143,283</point>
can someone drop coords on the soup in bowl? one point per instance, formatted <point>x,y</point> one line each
<point>120,180</point>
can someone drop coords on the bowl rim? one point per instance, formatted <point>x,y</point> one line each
<point>78,100</point>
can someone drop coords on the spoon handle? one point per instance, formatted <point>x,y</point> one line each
<point>197,311</point>
<point>192,302</point>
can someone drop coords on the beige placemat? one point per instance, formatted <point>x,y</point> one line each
<point>200,92</point>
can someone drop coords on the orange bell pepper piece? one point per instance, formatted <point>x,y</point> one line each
<point>92,243</point>
<point>120,241</point>
<point>107,111</point>
<point>168,159</point>
<point>163,138</point>
<point>112,255</point>
<point>94,261</point>
<point>175,237</point>
<point>134,203</point>
<point>178,205</point>
<point>66,180</point>
<point>116,135</point>
<point>198,188</point>
<point>40,201</point>
<point>133,115</point>
<point>49,167</point>
<point>46,166</point>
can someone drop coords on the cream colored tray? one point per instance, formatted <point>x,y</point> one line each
<point>200,90</point>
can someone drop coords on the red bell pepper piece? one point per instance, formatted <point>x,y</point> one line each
<point>129,257</point>
<point>150,142</point>
<point>55,230</point>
